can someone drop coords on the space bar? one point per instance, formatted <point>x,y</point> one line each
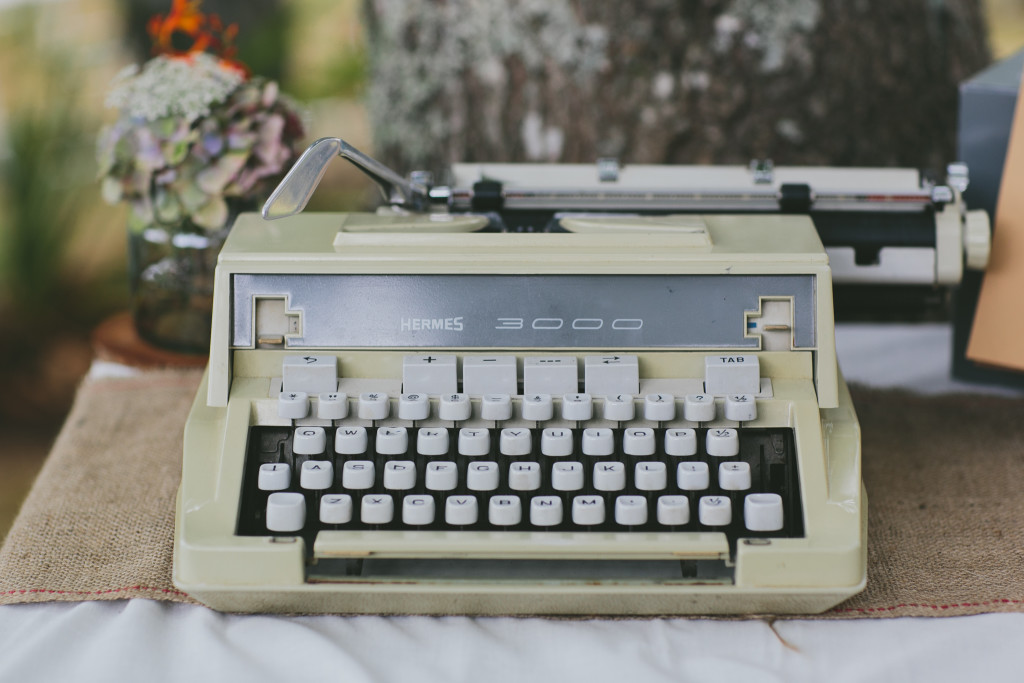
<point>521,545</point>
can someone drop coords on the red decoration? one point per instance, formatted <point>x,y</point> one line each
<point>207,33</point>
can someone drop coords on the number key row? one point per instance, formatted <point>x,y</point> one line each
<point>515,441</point>
<point>535,407</point>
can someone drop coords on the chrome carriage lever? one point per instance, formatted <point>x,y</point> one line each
<point>292,195</point>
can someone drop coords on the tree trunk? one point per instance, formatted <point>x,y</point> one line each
<point>838,82</point>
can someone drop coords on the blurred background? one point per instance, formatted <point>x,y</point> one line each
<point>62,249</point>
<point>350,63</point>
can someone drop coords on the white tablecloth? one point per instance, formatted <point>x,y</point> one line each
<point>145,640</point>
<point>149,641</point>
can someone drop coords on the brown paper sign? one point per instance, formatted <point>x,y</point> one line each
<point>997,337</point>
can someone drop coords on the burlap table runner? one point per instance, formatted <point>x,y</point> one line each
<point>943,475</point>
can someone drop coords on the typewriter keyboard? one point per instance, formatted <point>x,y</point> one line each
<point>740,481</point>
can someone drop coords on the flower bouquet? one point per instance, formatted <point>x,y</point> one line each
<point>197,141</point>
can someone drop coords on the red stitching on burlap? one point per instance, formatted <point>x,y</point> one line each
<point>986,603</point>
<point>169,591</point>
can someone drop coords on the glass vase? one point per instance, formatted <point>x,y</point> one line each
<point>171,269</point>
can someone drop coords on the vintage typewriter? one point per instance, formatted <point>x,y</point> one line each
<point>880,226</point>
<point>594,401</point>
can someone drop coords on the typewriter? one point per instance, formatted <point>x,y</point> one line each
<point>614,405</point>
<point>880,226</point>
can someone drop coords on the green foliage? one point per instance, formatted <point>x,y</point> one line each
<point>346,74</point>
<point>263,41</point>
<point>47,178</point>
<point>344,77</point>
<point>42,187</point>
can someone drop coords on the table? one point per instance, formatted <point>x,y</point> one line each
<point>141,638</point>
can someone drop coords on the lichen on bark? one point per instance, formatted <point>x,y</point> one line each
<point>871,82</point>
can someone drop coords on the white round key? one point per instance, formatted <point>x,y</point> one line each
<point>680,442</point>
<point>693,476</point>
<point>350,440</point>
<point>556,442</point>
<point>538,407</point>
<point>699,407</point>
<point>763,512</point>
<point>336,508</point>
<point>619,408</point>
<point>357,475</point>
<point>316,475</point>
<point>734,476</point>
<point>274,476</point>
<point>598,441</point>
<point>399,475</point>
<point>496,407</point>
<point>587,510</point>
<point>455,407</point>
<point>332,406</point>
<point>505,510</point>
<point>650,476</point>
<point>474,442</point>
<point>638,441</point>
<point>673,510</point>
<point>577,407</point>
<point>286,511</point>
<point>377,508</point>
<point>431,441</point>
<point>609,476</point>
<point>659,407</point>
<point>631,510</point>
<point>293,405</point>
<point>373,405</point>
<point>567,476</point>
<point>740,407</point>
<point>392,440</point>
<point>482,476</point>
<point>714,511</point>
<point>442,475</point>
<point>413,407</point>
<point>516,441</point>
<point>723,442</point>
<point>418,510</point>
<point>309,441</point>
<point>524,476</point>
<point>546,511</point>
<point>461,510</point>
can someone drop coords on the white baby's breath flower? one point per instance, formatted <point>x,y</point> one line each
<point>184,87</point>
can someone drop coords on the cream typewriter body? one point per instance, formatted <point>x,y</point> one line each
<point>637,415</point>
